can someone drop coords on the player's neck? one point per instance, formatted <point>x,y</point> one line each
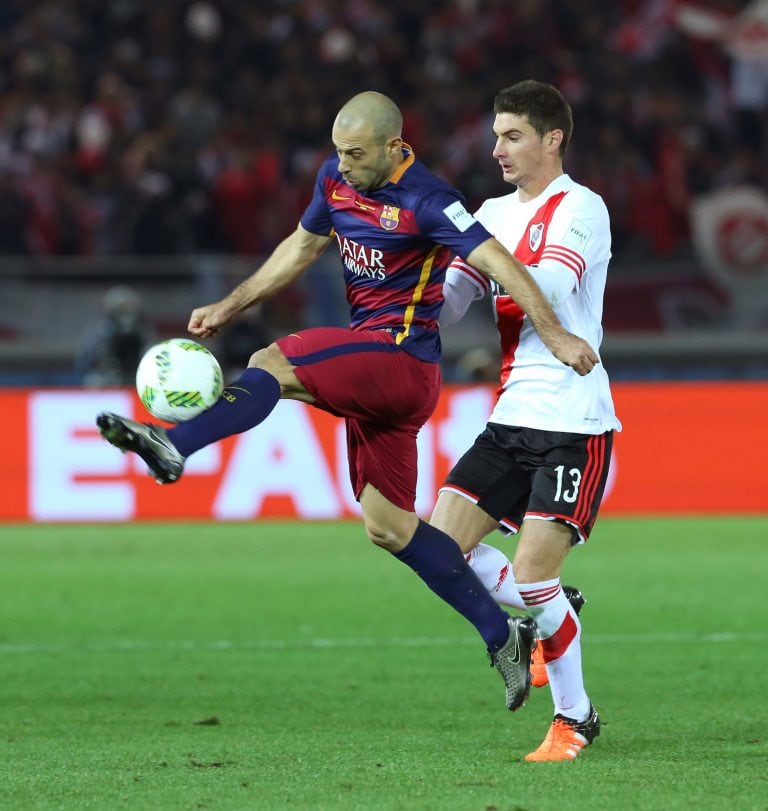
<point>532,189</point>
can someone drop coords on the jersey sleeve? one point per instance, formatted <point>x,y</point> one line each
<point>443,218</point>
<point>317,217</point>
<point>577,238</point>
<point>461,267</point>
<point>463,285</point>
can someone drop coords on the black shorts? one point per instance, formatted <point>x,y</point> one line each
<point>516,473</point>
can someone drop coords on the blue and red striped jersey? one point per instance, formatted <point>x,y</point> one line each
<point>396,243</point>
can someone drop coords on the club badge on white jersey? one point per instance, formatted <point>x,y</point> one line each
<point>535,234</point>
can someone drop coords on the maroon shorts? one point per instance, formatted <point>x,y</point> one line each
<point>384,394</point>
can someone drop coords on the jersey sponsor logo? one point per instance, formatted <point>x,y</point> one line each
<point>336,196</point>
<point>535,233</point>
<point>459,216</point>
<point>360,260</point>
<point>577,235</point>
<point>364,206</point>
<point>389,218</point>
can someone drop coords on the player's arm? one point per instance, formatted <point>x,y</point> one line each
<point>463,285</point>
<point>496,262</point>
<point>555,281</point>
<point>578,238</point>
<point>285,264</point>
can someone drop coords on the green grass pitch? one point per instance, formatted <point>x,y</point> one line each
<point>287,665</point>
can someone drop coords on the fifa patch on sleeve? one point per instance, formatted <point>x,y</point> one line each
<point>577,235</point>
<point>459,216</point>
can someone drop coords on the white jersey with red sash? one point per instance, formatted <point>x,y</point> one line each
<point>563,236</point>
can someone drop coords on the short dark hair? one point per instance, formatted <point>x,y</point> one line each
<point>543,105</point>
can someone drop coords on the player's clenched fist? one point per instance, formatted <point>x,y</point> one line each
<point>577,353</point>
<point>206,321</point>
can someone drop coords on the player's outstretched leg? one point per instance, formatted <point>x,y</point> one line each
<point>539,677</point>
<point>567,737</point>
<point>243,404</point>
<point>513,661</point>
<point>150,442</point>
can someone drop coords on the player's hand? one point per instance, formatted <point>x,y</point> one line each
<point>575,352</point>
<point>205,322</point>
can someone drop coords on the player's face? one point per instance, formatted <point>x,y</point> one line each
<point>364,162</point>
<point>522,154</point>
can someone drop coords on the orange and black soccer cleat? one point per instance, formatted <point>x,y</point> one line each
<point>566,738</point>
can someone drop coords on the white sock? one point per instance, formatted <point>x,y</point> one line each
<point>560,637</point>
<point>494,569</point>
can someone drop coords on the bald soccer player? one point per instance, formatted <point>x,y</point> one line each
<point>397,227</point>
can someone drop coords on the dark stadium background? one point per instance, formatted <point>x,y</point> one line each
<point>167,146</point>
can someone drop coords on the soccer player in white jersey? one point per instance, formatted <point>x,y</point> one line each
<point>540,466</point>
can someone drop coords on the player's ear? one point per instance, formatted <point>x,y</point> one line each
<point>394,145</point>
<point>553,139</point>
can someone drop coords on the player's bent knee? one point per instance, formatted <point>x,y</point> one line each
<point>272,360</point>
<point>387,525</point>
<point>378,538</point>
<point>386,539</point>
<point>269,358</point>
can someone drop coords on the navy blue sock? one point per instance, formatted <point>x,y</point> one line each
<point>439,562</point>
<point>244,403</point>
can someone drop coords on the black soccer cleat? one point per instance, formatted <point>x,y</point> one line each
<point>513,661</point>
<point>164,463</point>
<point>575,598</point>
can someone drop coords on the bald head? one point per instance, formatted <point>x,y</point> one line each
<point>372,112</point>
<point>367,134</point>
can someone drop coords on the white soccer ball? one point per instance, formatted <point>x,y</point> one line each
<point>178,379</point>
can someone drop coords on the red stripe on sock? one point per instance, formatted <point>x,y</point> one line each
<point>539,596</point>
<point>556,645</point>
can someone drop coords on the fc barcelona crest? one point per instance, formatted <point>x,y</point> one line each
<point>390,218</point>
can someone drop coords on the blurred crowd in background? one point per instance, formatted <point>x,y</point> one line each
<point>138,127</point>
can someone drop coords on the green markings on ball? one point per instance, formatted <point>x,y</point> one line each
<point>190,346</point>
<point>147,396</point>
<point>218,380</point>
<point>184,399</point>
<point>163,364</point>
